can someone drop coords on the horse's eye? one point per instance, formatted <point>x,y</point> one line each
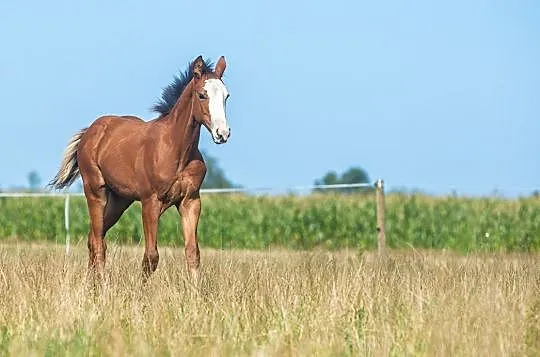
<point>202,96</point>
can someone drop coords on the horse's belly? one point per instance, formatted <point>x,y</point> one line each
<point>121,180</point>
<point>119,169</point>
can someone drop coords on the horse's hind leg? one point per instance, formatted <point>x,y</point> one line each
<point>96,199</point>
<point>105,209</point>
<point>115,207</point>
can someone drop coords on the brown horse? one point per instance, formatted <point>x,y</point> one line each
<point>122,159</point>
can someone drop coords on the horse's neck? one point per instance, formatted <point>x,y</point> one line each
<point>184,131</point>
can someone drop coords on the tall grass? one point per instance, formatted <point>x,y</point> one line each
<point>271,303</point>
<point>328,221</point>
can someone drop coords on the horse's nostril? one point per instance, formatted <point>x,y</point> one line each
<point>223,134</point>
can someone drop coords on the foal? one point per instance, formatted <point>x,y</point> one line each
<point>122,159</point>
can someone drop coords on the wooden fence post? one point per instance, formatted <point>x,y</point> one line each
<point>381,234</point>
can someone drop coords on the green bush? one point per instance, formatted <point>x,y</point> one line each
<point>328,221</point>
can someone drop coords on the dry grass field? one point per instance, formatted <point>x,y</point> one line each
<point>270,303</point>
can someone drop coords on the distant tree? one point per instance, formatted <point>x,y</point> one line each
<point>351,176</point>
<point>34,180</point>
<point>330,178</point>
<point>215,176</point>
<point>355,175</point>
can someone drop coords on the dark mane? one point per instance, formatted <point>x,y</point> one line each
<point>172,92</point>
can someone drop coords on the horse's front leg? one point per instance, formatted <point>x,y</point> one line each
<point>190,210</point>
<point>151,211</point>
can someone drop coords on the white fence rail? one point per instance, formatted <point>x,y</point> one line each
<point>204,190</point>
<point>378,185</point>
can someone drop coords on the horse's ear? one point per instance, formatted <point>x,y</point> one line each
<point>220,66</point>
<point>198,67</point>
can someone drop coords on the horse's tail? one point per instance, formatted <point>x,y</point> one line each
<point>69,169</point>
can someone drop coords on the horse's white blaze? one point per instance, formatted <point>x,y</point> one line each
<point>217,95</point>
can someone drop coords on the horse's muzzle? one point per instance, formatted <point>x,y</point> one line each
<point>222,135</point>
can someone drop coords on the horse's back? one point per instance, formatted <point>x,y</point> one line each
<point>129,117</point>
<point>113,125</point>
<point>112,128</point>
<point>106,121</point>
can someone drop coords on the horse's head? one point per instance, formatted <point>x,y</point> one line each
<point>210,96</point>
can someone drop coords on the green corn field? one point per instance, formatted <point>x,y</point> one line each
<point>328,221</point>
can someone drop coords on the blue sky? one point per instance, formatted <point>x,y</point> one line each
<point>429,95</point>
